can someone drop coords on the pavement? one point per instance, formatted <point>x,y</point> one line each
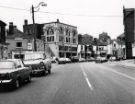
<point>127,63</point>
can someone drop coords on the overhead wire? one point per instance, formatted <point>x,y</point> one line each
<point>58,13</point>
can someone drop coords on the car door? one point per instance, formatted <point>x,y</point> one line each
<point>25,70</point>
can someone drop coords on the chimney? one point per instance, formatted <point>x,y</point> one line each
<point>11,28</point>
<point>25,22</point>
<point>58,20</point>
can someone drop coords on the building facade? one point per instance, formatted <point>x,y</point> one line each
<point>85,47</point>
<point>61,38</point>
<point>129,30</point>
<point>3,44</point>
<point>29,30</point>
<point>20,43</point>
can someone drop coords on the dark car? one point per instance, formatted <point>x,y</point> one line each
<point>74,59</point>
<point>13,72</point>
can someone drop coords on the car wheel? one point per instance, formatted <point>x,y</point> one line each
<point>17,83</point>
<point>49,71</point>
<point>29,78</point>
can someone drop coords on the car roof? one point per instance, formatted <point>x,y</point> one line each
<point>9,60</point>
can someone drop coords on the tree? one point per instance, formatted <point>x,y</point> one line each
<point>104,38</point>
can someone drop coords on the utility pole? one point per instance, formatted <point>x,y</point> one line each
<point>33,19</point>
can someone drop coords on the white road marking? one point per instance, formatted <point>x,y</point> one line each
<point>122,74</point>
<point>86,78</point>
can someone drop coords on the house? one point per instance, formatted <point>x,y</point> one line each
<point>85,47</point>
<point>100,48</point>
<point>19,43</point>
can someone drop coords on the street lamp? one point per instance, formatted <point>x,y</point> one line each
<point>37,7</point>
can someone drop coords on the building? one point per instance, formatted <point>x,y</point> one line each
<point>3,44</point>
<point>28,29</point>
<point>19,43</point>
<point>61,38</point>
<point>100,49</point>
<point>85,47</point>
<point>129,30</point>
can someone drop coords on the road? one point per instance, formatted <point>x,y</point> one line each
<point>78,83</point>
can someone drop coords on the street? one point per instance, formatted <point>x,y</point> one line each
<point>77,83</point>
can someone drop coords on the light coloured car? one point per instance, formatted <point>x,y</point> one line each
<point>82,59</point>
<point>38,62</point>
<point>62,60</point>
<point>13,72</point>
<point>100,59</point>
<point>68,60</point>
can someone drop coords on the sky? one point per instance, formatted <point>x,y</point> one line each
<point>89,16</point>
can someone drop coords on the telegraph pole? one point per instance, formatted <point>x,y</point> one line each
<point>34,35</point>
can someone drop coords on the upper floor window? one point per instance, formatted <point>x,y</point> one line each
<point>18,44</point>
<point>67,39</point>
<point>61,38</point>
<point>114,45</point>
<point>67,32</point>
<point>74,40</point>
<point>50,38</point>
<point>74,33</point>
<point>50,31</point>
<point>61,30</point>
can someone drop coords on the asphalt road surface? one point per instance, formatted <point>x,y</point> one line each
<point>79,83</point>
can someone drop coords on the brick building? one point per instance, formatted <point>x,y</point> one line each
<point>28,29</point>
<point>129,24</point>
<point>19,43</point>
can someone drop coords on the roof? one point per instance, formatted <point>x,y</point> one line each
<point>128,11</point>
<point>18,33</point>
<point>2,23</point>
<point>61,23</point>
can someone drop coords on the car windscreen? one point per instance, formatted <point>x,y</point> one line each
<point>7,65</point>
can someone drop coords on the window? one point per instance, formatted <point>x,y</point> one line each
<point>61,38</point>
<point>74,33</point>
<point>50,39</point>
<point>114,45</point>
<point>74,40</point>
<point>61,30</point>
<point>18,44</point>
<point>67,32</point>
<point>50,31</point>
<point>67,39</point>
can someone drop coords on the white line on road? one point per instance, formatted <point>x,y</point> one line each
<point>86,78</point>
<point>122,74</point>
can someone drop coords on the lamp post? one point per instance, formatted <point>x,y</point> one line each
<point>33,19</point>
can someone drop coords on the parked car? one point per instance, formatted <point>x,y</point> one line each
<point>82,59</point>
<point>38,63</point>
<point>68,60</point>
<point>100,59</point>
<point>62,60</point>
<point>13,72</point>
<point>74,59</point>
<point>91,59</point>
<point>112,58</point>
